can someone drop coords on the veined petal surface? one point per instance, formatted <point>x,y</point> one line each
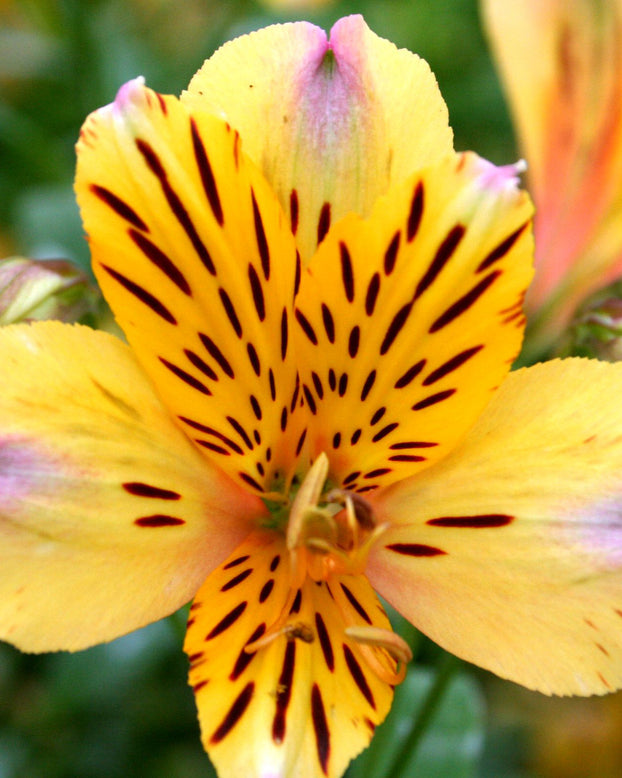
<point>306,703</point>
<point>407,322</point>
<point>196,259</point>
<point>109,517</point>
<point>567,105</point>
<point>332,122</point>
<point>509,552</point>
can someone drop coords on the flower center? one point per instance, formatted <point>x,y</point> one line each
<point>330,533</point>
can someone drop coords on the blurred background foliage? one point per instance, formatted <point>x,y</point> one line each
<point>124,710</point>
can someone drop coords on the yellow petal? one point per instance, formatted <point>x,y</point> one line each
<point>407,322</point>
<point>509,552</point>
<point>193,254</point>
<point>109,518</point>
<point>332,122</point>
<point>567,104</point>
<point>306,702</point>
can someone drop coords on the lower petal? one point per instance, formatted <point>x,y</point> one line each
<point>109,518</point>
<point>508,552</point>
<point>303,702</point>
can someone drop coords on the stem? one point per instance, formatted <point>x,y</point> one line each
<point>446,670</point>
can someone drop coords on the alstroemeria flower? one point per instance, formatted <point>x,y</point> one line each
<point>561,64</point>
<point>322,303</point>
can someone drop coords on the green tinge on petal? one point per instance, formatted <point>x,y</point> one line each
<point>331,121</point>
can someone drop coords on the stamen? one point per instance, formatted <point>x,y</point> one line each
<point>375,644</point>
<point>299,630</point>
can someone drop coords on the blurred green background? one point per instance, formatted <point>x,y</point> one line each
<point>124,710</point>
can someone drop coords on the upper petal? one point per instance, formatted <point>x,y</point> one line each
<point>508,552</point>
<point>407,322</point>
<point>332,122</point>
<point>109,518</point>
<point>198,263</point>
<point>567,103</point>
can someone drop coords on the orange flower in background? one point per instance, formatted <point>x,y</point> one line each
<point>322,302</point>
<point>561,65</point>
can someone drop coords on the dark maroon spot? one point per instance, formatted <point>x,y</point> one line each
<point>325,643</point>
<point>257,437</point>
<point>369,382</point>
<point>235,562</point>
<point>433,399</point>
<point>390,255</point>
<point>155,255</point>
<point>283,334</point>
<point>255,406</point>
<point>198,686</point>
<point>301,441</point>
<point>329,323</point>
<point>262,242</point>
<point>356,604</point>
<point>141,294</point>
<point>275,563</point>
<point>501,250</point>
<point>266,589</point>
<point>358,675</point>
<point>351,477</point>
<point>196,360</point>
<point>323,224</point>
<point>244,657</point>
<point>399,320</point>
<point>175,204</point>
<point>332,379</point>
<point>272,384</point>
<point>268,454</point>
<point>442,256</point>
<point>369,724</point>
<point>416,212</point>
<point>306,326</point>
<point>162,102</point>
<point>227,621</point>
<point>355,437</point>
<point>384,432</point>
<point>293,210</point>
<point>188,379</point>
<point>207,175</point>
<point>372,294</point>
<point>410,375</point>
<point>309,398</point>
<point>158,520</point>
<point>336,439</point>
<point>320,726</point>
<point>343,384</point>
<point>253,359</point>
<point>260,469</point>
<point>413,444</point>
<point>297,602</point>
<point>236,711</point>
<point>120,207</point>
<point>250,481</point>
<point>452,364</point>
<point>140,489</point>
<point>257,291</point>
<point>376,473</point>
<point>354,340</point>
<point>362,489</point>
<point>284,692</point>
<point>216,354</point>
<point>283,422</point>
<point>298,276</point>
<point>230,311</point>
<point>211,431</point>
<point>377,416</point>
<point>347,273</point>
<point>194,658</point>
<point>237,580</point>
<point>407,458</point>
<point>317,383</point>
<point>481,521</point>
<point>465,302</point>
<point>415,549</point>
<point>241,431</point>
<point>213,447</point>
